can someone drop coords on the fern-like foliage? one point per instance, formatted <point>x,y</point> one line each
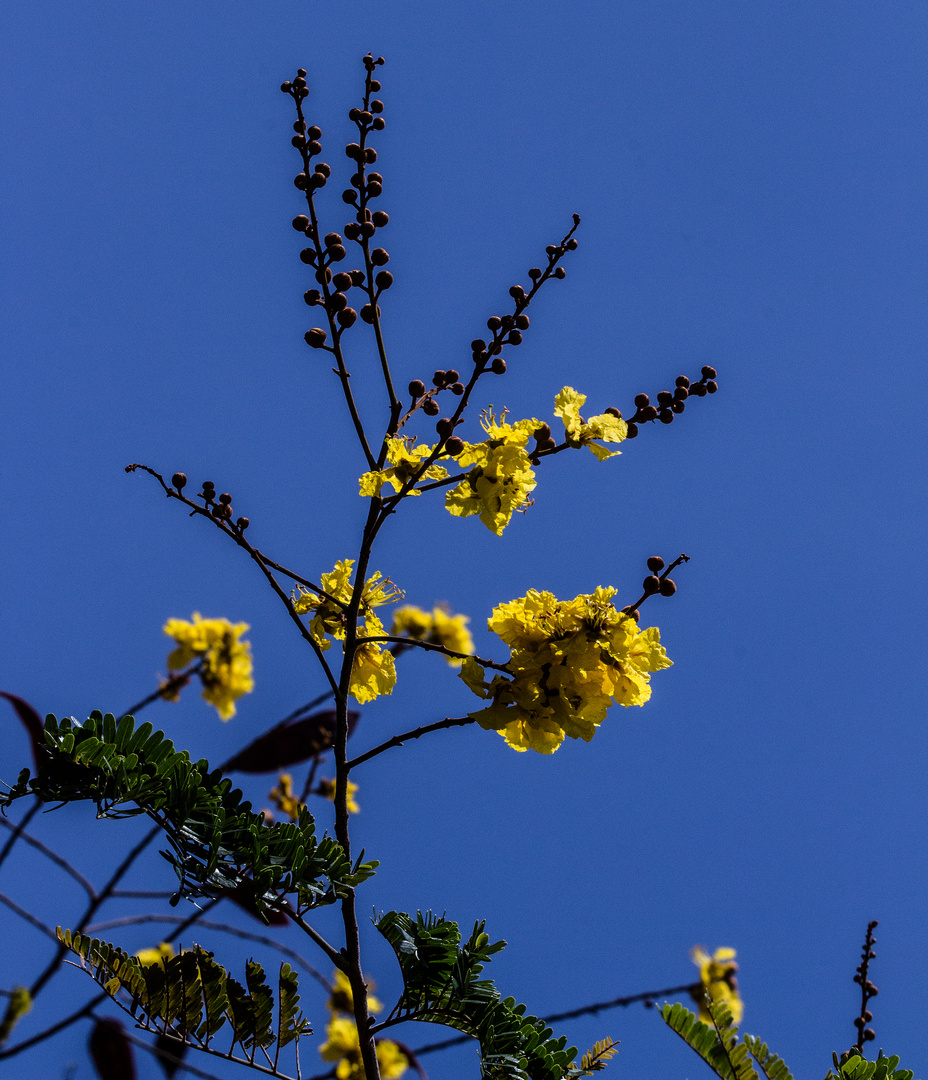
<point>442,985</point>
<point>216,839</point>
<point>594,1060</point>
<point>190,997</point>
<point>773,1067</point>
<point>717,1045</point>
<point>856,1067</point>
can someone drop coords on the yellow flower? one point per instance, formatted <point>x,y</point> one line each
<point>405,460</point>
<point>501,479</point>
<point>373,672</point>
<point>607,427</point>
<point>147,957</point>
<point>342,1045</point>
<point>718,976</point>
<point>342,1000</point>
<point>327,791</point>
<point>570,660</point>
<point>283,798</point>
<point>226,671</point>
<point>440,627</point>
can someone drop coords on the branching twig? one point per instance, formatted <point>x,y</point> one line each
<point>416,733</point>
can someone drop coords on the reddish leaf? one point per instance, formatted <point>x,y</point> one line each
<point>111,1051</point>
<point>289,745</point>
<point>32,722</point>
<point>176,1048</point>
<point>244,895</point>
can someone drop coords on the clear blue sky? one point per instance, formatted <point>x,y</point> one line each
<point>751,177</point>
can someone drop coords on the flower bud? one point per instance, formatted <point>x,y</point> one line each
<point>383,280</point>
<point>651,584</point>
<point>683,381</point>
<point>498,367</point>
<point>370,154</point>
<point>522,322</point>
<point>308,256</point>
<point>367,313</point>
<point>349,196</point>
<point>543,432</point>
<point>451,376</point>
<point>380,218</point>
<point>352,229</point>
<point>709,372</point>
<point>572,244</point>
<point>352,150</point>
<point>300,181</point>
<point>712,386</point>
<point>454,445</point>
<point>314,132</point>
<point>379,257</point>
<point>478,345</point>
<point>655,564</point>
<point>379,123</point>
<point>243,523</point>
<point>179,480</point>
<point>347,317</point>
<point>416,388</point>
<point>338,301</point>
<point>225,497</point>
<point>613,411</point>
<point>315,338</point>
<point>649,413</point>
<point>678,406</point>
<point>632,432</point>
<point>337,252</point>
<point>430,408</point>
<point>665,416</point>
<point>457,389</point>
<point>286,87</point>
<point>642,401</point>
<point>312,296</point>
<point>342,281</point>
<point>300,222</point>
<point>664,397</point>
<point>445,427</point>
<point>314,147</point>
<point>323,169</point>
<point>374,190</point>
<point>517,292</point>
<point>668,588</point>
<point>515,338</point>
<point>332,238</point>
<point>357,277</point>
<point>560,273</point>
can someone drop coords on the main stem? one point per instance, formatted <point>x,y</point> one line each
<point>354,969</point>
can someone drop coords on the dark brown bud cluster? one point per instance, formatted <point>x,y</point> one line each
<point>865,1034</point>
<point>543,440</point>
<point>658,582</point>
<point>670,403</point>
<point>425,399</point>
<point>219,508</point>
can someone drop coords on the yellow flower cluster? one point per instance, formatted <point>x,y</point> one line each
<point>284,799</point>
<point>439,627</point>
<point>500,479</point>
<point>327,791</point>
<point>405,460</point>
<point>570,660</point>
<point>147,957</point>
<point>373,672</point>
<point>342,1043</point>
<point>718,976</point>
<point>226,671</point>
<point>607,427</point>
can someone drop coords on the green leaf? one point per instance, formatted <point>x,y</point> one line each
<point>216,841</point>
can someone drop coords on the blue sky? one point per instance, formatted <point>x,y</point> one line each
<point>751,177</point>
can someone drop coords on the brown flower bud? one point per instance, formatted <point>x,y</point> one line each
<point>352,229</point>
<point>315,338</point>
<point>379,123</point>
<point>498,367</point>
<point>430,408</point>
<point>457,389</point>
<point>352,150</point>
<point>299,82</point>
<point>312,296</point>
<point>445,427</point>
<point>332,239</point>
<point>632,432</point>
<point>300,222</point>
<point>649,413</point>
<point>683,381</point>
<point>225,497</point>
<point>664,397</point>
<point>572,244</point>
<point>374,190</point>
<point>655,564</point>
<point>665,416</point>
<point>440,377</point>
<point>379,257</point>
<point>712,386</point>
<point>370,154</point>
<point>522,322</point>
<point>651,584</point>
<point>347,317</point>
<point>709,372</point>
<point>337,252</point>
<point>515,338</point>
<point>642,401</point>
<point>243,523</point>
<point>560,273</point>
<point>451,375</point>
<point>383,280</point>
<point>517,292</point>
<point>300,181</point>
<point>286,87</point>
<point>322,168</point>
<point>613,411</point>
<point>668,588</point>
<point>367,313</point>
<point>349,196</point>
<point>375,85</point>
<point>454,445</point>
<point>338,301</point>
<point>342,281</point>
<point>179,480</point>
<point>678,406</point>
<point>416,388</point>
<point>314,147</point>
<point>376,106</point>
<point>368,228</point>
<point>324,274</point>
<point>357,277</point>
<point>543,432</point>
<point>308,256</point>
<point>314,132</point>
<point>535,273</point>
<point>681,393</point>
<point>380,218</point>
<point>699,389</point>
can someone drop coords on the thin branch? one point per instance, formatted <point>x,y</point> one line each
<point>52,855</point>
<point>433,646</point>
<point>416,733</point>
<point>29,917</point>
<point>332,953</point>
<point>18,829</point>
<point>85,1010</point>
<point>585,1010</point>
<point>225,928</point>
<point>176,682</point>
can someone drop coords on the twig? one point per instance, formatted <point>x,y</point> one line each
<point>29,917</point>
<point>85,1010</point>
<point>53,855</point>
<point>18,829</point>
<point>332,953</point>
<point>867,990</point>
<point>176,682</point>
<point>585,1010</point>
<point>416,733</point>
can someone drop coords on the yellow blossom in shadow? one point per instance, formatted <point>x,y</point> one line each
<point>570,660</point>
<point>226,667</point>
<point>283,798</point>
<point>147,957</point>
<point>440,628</point>
<point>341,999</point>
<point>718,976</point>
<point>342,1044</point>
<point>327,791</point>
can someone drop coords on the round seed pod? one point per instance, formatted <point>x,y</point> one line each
<point>498,367</point>
<point>642,401</point>
<point>522,322</point>
<point>354,115</point>
<point>655,564</point>
<point>665,416</point>
<point>379,123</point>
<point>312,296</point>
<point>347,317</point>
<point>651,584</point>
<point>383,280</point>
<point>379,257</point>
<point>632,432</point>
<point>454,445</point>
<point>457,389</point>
<point>380,218</point>
<point>439,378</point>
<point>342,281</point>
<point>711,386</point>
<point>668,588</point>
<point>243,523</point>
<point>431,408</point>
<point>299,82</point>
<point>315,338</point>
<point>179,480</point>
<point>709,372</point>
<point>416,388</point>
<point>314,132</point>
<point>338,301</point>
<point>300,222</point>
<point>560,273</point>
<point>375,85</point>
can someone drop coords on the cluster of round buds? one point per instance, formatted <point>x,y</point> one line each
<point>868,990</point>
<point>543,439</point>
<point>658,582</point>
<point>297,88</point>
<point>445,428</point>
<point>670,402</point>
<point>220,508</point>
<point>441,380</point>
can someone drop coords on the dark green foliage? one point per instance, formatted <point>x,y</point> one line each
<point>216,839</point>
<point>190,997</point>
<point>718,1045</point>
<point>773,1067</point>
<point>858,1068</point>
<point>442,986</point>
